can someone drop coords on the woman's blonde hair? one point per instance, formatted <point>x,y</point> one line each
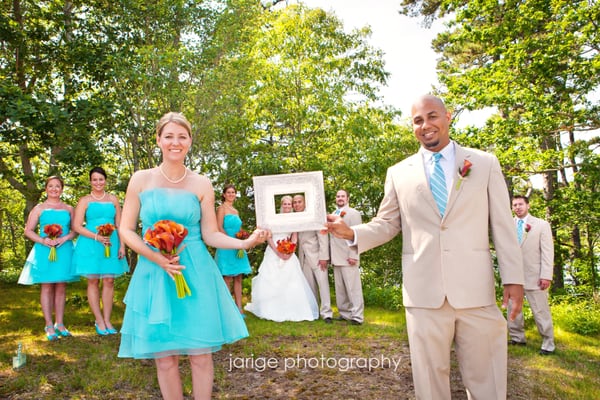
<point>176,118</point>
<point>286,197</point>
<point>58,178</point>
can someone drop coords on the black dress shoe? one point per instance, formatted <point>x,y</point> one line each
<point>546,352</point>
<point>328,320</point>
<point>355,322</point>
<point>515,343</point>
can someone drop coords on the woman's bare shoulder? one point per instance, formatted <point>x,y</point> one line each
<point>141,179</point>
<point>201,186</point>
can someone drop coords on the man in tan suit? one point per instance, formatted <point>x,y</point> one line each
<point>313,253</point>
<point>448,276</point>
<point>345,261</point>
<point>537,247</point>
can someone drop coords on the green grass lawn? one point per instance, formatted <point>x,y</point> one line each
<point>308,360</point>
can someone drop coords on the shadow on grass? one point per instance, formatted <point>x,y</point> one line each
<point>304,360</point>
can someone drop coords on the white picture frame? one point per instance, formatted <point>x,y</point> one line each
<point>269,187</point>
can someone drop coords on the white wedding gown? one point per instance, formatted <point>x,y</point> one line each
<point>280,291</point>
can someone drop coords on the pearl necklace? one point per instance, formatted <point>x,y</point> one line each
<point>98,198</point>
<point>172,180</point>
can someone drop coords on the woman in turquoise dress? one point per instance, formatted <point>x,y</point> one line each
<point>96,256</point>
<point>232,263</point>
<point>157,323</point>
<point>39,268</point>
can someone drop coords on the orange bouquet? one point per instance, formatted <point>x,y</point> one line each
<point>53,231</point>
<point>242,235</point>
<point>286,246</point>
<point>106,230</point>
<point>166,237</point>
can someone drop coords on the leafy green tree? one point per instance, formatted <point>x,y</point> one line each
<point>298,93</point>
<point>80,81</point>
<point>268,90</point>
<point>313,107</point>
<point>311,102</point>
<point>46,106</point>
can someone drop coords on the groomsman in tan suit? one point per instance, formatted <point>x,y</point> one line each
<point>345,261</point>
<point>537,246</point>
<point>313,253</point>
<point>448,276</point>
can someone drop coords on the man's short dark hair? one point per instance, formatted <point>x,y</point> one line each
<point>520,196</point>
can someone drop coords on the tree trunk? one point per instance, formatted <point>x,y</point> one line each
<point>550,182</point>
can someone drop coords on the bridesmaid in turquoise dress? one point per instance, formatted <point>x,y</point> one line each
<point>230,263</point>
<point>157,324</point>
<point>52,275</point>
<point>89,259</point>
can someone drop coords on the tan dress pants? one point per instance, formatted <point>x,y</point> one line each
<point>479,338</point>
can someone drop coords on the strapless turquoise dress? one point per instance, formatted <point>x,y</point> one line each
<point>227,259</point>
<point>38,269</point>
<point>88,258</point>
<point>157,323</point>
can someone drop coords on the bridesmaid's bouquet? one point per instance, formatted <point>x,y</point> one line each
<point>242,235</point>
<point>106,230</point>
<point>286,246</point>
<point>53,231</point>
<point>167,236</point>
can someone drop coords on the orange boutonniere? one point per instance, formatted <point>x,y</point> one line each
<point>342,214</point>
<point>53,231</point>
<point>286,246</point>
<point>463,172</point>
<point>242,235</point>
<point>527,227</point>
<point>166,237</point>
<point>106,230</point>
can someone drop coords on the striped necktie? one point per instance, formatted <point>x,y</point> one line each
<point>520,230</point>
<point>437,181</point>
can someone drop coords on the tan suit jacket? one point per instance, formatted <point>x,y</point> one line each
<point>340,251</point>
<point>448,258</point>
<point>313,246</point>
<point>538,252</point>
<point>348,287</point>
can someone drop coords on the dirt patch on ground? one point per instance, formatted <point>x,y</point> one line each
<point>333,368</point>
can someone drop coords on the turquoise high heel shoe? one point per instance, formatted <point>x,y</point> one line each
<point>112,331</point>
<point>50,336</point>
<point>64,333</point>
<point>101,332</point>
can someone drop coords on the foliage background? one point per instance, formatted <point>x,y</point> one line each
<point>276,88</point>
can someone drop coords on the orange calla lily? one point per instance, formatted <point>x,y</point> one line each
<point>167,236</point>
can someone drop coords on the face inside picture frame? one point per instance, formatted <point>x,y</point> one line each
<point>270,189</point>
<point>279,206</point>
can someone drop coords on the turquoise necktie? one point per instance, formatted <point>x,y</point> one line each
<point>437,181</point>
<point>520,230</point>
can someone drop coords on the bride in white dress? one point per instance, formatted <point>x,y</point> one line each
<point>280,291</point>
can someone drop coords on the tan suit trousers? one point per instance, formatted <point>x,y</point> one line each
<point>318,280</point>
<point>479,338</point>
<point>538,302</point>
<point>348,292</point>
